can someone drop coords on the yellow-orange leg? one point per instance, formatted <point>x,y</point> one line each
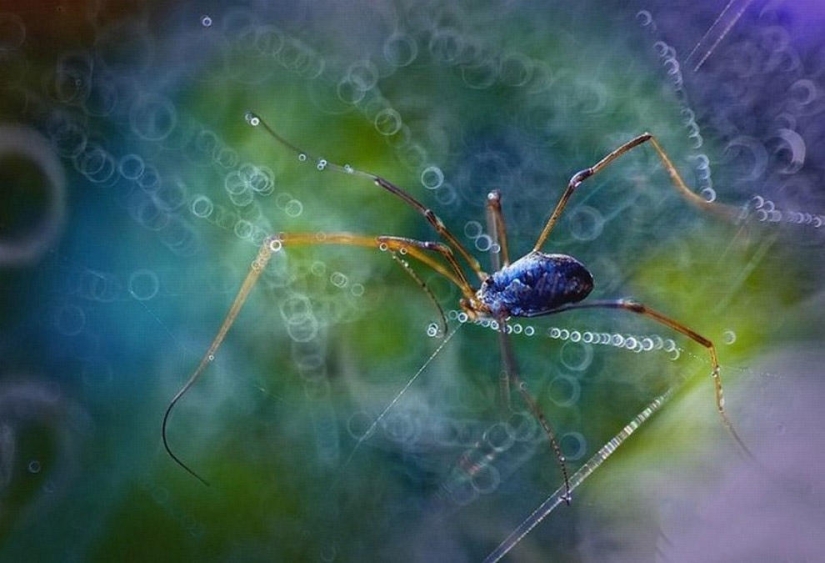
<point>640,309</point>
<point>675,177</point>
<point>414,248</point>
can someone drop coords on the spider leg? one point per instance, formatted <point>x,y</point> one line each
<point>496,225</point>
<point>512,373</point>
<point>644,310</point>
<point>413,246</point>
<point>406,266</point>
<point>433,219</point>
<point>496,228</point>
<point>563,494</point>
<point>675,177</point>
<point>273,244</point>
<point>258,265</point>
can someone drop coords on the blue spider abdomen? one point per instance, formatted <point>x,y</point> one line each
<point>535,284</point>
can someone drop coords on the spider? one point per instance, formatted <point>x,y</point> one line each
<point>534,285</point>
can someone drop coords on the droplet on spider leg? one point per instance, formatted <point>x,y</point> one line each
<point>433,330</point>
<point>252,119</point>
<point>275,245</point>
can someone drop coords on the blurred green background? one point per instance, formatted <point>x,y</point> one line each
<point>135,195</point>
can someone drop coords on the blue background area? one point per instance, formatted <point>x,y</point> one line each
<point>134,195</point>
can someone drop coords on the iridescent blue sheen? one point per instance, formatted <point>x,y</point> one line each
<point>536,284</point>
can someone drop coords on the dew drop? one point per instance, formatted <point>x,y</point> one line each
<point>432,177</point>
<point>252,119</point>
